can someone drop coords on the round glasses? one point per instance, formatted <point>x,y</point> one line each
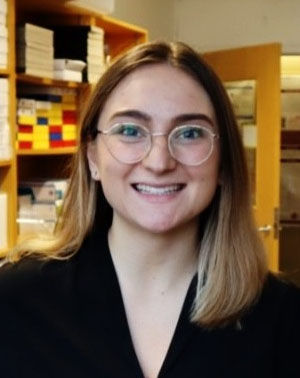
<point>130,143</point>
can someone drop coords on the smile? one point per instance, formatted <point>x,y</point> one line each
<point>158,190</point>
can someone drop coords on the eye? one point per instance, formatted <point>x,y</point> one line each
<point>190,133</point>
<point>128,131</point>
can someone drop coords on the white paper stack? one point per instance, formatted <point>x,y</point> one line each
<point>68,69</point>
<point>3,34</point>
<point>95,54</point>
<point>5,142</point>
<point>39,204</point>
<point>82,42</point>
<point>35,51</point>
<point>3,220</point>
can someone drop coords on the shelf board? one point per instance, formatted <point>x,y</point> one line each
<point>5,163</point>
<point>4,71</point>
<point>52,151</point>
<point>36,80</point>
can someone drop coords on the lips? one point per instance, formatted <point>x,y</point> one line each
<point>155,190</point>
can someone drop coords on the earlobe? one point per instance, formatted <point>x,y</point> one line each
<point>92,161</point>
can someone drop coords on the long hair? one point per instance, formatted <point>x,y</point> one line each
<point>232,263</point>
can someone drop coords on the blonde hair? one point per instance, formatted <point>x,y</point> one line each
<point>232,263</point>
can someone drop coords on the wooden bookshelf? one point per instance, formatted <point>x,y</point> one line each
<point>4,72</point>
<point>50,151</point>
<point>42,81</point>
<point>24,164</point>
<point>8,176</point>
<point>6,163</point>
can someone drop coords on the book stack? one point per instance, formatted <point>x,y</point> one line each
<point>3,34</point>
<point>68,69</point>
<point>39,205</point>
<point>89,47</point>
<point>46,118</point>
<point>5,142</point>
<point>35,52</point>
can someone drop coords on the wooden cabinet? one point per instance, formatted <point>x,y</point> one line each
<point>8,167</point>
<point>51,163</point>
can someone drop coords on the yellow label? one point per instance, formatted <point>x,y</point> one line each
<point>40,137</point>
<point>55,121</point>
<point>41,144</point>
<point>69,136</point>
<point>26,120</point>
<point>25,137</point>
<point>69,129</point>
<point>41,130</point>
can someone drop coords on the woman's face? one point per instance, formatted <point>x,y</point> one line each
<point>157,194</point>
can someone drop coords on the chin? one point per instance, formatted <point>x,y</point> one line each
<point>159,227</point>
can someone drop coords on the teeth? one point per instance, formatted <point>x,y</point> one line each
<point>146,189</point>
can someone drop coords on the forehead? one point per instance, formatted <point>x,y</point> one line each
<point>159,89</point>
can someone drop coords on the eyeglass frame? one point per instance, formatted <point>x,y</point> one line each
<point>155,134</point>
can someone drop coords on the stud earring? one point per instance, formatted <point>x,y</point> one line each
<point>95,174</point>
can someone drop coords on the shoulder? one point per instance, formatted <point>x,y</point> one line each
<point>26,274</point>
<point>40,276</point>
<point>278,306</point>
<point>282,292</point>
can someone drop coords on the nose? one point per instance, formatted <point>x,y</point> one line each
<point>159,159</point>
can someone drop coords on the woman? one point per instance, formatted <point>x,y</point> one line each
<point>162,273</point>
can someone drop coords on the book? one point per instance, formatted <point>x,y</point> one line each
<point>37,72</point>
<point>69,64</point>
<point>68,75</point>
<point>3,99</point>
<point>35,33</point>
<point>28,51</point>
<point>35,51</point>
<point>3,6</point>
<point>3,45</point>
<point>3,220</point>
<point>3,85</point>
<point>3,60</point>
<point>3,31</point>
<point>2,18</point>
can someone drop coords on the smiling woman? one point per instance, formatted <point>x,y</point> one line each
<point>162,272</point>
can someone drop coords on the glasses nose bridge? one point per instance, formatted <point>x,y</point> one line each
<point>164,145</point>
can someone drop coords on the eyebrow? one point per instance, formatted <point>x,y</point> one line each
<point>178,119</point>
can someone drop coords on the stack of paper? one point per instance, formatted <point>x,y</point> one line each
<point>35,52</point>
<point>5,142</point>
<point>39,205</point>
<point>3,34</point>
<point>68,69</point>
<point>46,118</point>
<point>89,47</point>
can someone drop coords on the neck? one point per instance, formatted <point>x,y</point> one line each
<point>140,254</point>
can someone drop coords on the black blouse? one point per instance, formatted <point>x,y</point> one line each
<point>67,319</point>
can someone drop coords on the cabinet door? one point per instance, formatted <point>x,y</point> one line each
<point>259,65</point>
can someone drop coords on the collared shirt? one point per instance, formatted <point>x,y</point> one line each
<point>67,319</point>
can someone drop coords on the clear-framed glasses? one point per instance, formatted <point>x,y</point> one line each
<point>130,143</point>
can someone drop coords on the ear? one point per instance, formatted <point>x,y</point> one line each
<point>92,160</point>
